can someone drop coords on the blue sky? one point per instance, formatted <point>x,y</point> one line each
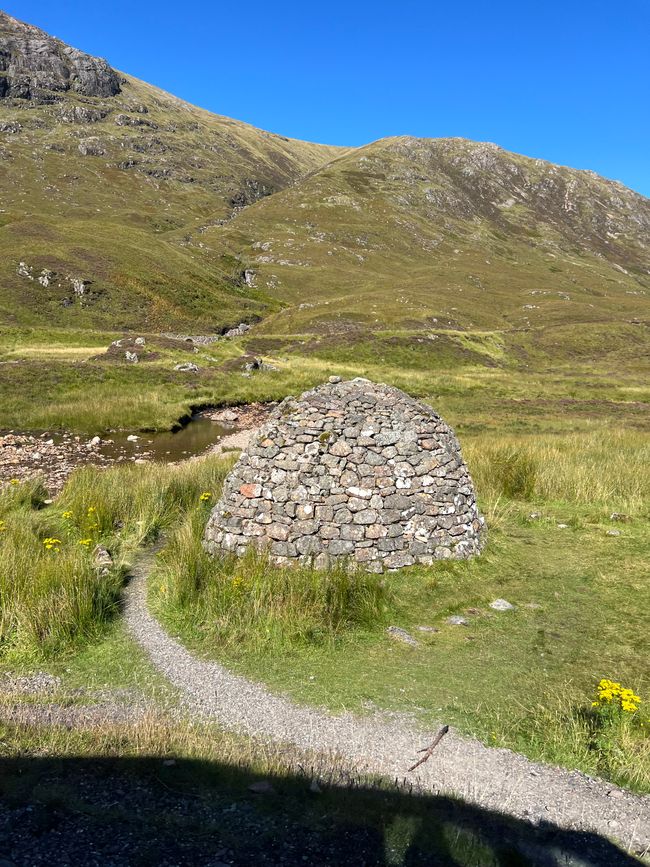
<point>565,81</point>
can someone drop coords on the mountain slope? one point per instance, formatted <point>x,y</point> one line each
<point>124,207</point>
<point>446,233</point>
<point>104,177</point>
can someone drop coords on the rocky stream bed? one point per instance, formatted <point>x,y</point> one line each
<point>53,455</point>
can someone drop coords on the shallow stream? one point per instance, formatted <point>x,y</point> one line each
<point>167,446</point>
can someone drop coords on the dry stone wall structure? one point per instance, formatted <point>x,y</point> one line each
<point>350,469</point>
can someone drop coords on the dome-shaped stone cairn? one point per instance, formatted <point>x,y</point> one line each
<point>350,469</point>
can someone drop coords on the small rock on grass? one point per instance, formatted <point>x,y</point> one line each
<point>101,556</point>
<point>399,634</point>
<point>457,620</point>
<point>563,526</point>
<point>429,629</point>
<point>613,533</point>
<point>502,605</point>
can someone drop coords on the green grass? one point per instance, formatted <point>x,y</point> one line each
<point>42,388</point>
<point>249,602</point>
<point>570,444</point>
<point>523,679</point>
<point>53,597</point>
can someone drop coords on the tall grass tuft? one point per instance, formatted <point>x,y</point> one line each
<point>609,469</point>
<point>249,602</point>
<point>569,733</point>
<point>52,595</point>
<point>509,471</point>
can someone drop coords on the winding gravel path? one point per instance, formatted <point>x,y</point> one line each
<point>387,745</point>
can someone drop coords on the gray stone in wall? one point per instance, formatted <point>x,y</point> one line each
<point>350,469</point>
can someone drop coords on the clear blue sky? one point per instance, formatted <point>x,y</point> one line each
<point>566,81</point>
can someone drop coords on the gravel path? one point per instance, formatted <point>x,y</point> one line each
<point>387,745</point>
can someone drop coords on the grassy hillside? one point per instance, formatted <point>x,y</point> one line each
<point>506,290</point>
<point>115,191</point>
<point>446,233</point>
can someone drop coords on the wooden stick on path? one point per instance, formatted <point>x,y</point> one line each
<point>428,750</point>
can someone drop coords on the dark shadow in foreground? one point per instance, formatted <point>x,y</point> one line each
<point>139,811</point>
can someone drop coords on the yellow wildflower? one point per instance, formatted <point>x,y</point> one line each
<point>611,693</point>
<point>629,706</point>
<point>66,514</point>
<point>206,495</point>
<point>14,482</point>
<point>84,541</point>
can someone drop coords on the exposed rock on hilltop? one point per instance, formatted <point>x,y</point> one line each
<point>483,182</point>
<point>35,66</point>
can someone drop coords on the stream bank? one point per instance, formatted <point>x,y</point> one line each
<point>53,455</point>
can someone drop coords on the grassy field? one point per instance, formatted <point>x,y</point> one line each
<point>523,678</point>
<point>561,379</point>
<point>553,423</point>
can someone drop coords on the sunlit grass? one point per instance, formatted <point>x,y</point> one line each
<point>249,602</point>
<point>53,595</point>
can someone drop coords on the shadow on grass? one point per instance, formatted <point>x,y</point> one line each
<point>149,811</point>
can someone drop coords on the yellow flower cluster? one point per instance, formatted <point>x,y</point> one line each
<point>3,526</point>
<point>236,582</point>
<point>67,514</point>
<point>14,482</point>
<point>51,543</point>
<point>613,694</point>
<point>206,495</point>
<point>84,541</point>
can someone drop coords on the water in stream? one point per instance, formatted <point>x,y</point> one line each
<point>167,446</point>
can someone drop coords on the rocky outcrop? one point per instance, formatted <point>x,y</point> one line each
<point>35,66</point>
<point>350,469</point>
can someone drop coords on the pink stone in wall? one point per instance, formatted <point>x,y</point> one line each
<point>250,491</point>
